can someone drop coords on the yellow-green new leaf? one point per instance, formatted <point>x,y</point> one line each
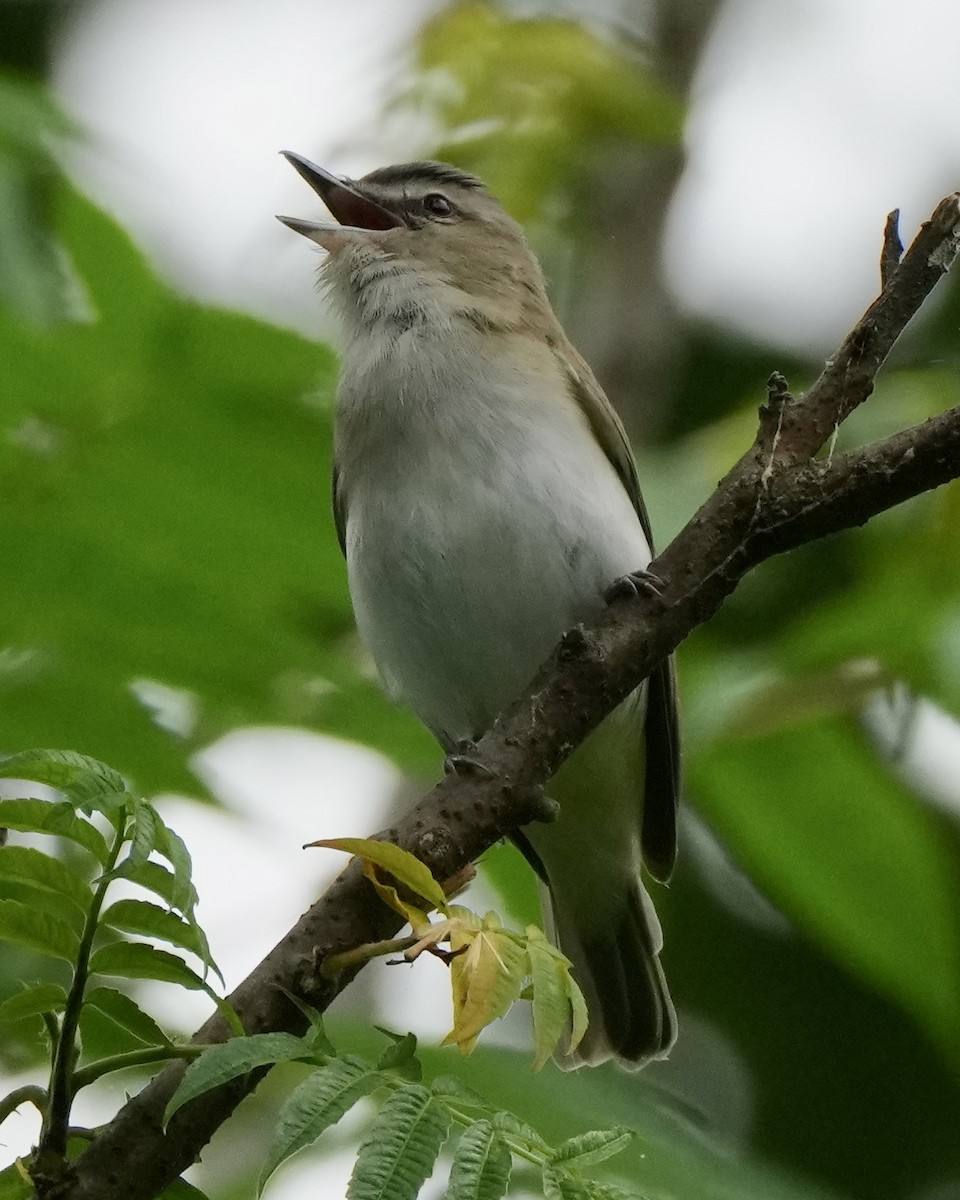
<point>558,1003</point>
<point>550,1002</point>
<point>415,917</point>
<point>403,866</point>
<point>486,979</point>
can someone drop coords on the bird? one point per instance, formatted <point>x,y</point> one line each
<point>486,500</point>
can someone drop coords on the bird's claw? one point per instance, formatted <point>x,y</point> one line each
<point>462,762</point>
<point>636,583</point>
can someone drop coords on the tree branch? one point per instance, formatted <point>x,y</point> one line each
<point>776,498</point>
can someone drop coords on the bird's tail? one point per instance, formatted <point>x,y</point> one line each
<point>617,965</point>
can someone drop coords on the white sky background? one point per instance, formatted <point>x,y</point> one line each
<point>811,119</point>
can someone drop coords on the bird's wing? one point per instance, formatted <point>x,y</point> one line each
<point>661,724</point>
<point>606,427</point>
<point>339,509</point>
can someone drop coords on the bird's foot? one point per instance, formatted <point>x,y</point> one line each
<point>636,583</point>
<point>462,762</point>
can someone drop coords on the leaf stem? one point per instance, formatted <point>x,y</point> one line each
<point>52,1147</point>
<point>131,1058</point>
<point>334,964</point>
<point>31,1092</point>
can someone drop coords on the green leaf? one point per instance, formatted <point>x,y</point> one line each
<point>35,930</point>
<point>523,99</point>
<point>558,1185</point>
<point>173,848</point>
<point>33,1001</point>
<point>13,1185</point>
<point>42,816</point>
<point>181,1190</point>
<point>157,879</point>
<point>481,1166</point>
<point>238,1056</point>
<point>125,1012</point>
<point>611,1191</point>
<point>150,920</point>
<point>83,779</point>
<point>841,845</point>
<point>401,1147</point>
<point>551,1005</point>
<point>508,1122</point>
<point>43,871</point>
<point>588,1149</point>
<point>317,1104</point>
<point>401,1056</point>
<point>144,836</point>
<point>402,865</point>
<point>181,502</point>
<point>34,281</point>
<point>134,960</point>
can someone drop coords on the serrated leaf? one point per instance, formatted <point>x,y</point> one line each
<point>508,1122</point>
<point>35,930</point>
<point>134,960</point>
<point>157,879</point>
<point>317,1104</point>
<point>238,1056</point>
<point>401,1147</point>
<point>59,819</point>
<point>44,871</point>
<point>174,849</point>
<point>82,778</point>
<point>402,865</point>
<point>482,1164</point>
<point>595,1146</point>
<point>144,833</point>
<point>33,1001</point>
<point>316,1035</point>
<point>401,1056</point>
<point>150,920</point>
<point>551,1005</point>
<point>125,1012</point>
<point>465,1096</point>
<point>558,1185</point>
<point>611,1191</point>
<point>486,980</point>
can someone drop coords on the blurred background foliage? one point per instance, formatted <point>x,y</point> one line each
<point>171,573</point>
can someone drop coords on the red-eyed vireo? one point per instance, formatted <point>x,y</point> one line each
<point>487,500</point>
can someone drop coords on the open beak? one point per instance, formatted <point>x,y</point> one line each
<point>355,213</point>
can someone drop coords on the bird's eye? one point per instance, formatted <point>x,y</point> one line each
<point>437,205</point>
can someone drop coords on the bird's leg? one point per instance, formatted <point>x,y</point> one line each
<point>636,583</point>
<point>462,762</point>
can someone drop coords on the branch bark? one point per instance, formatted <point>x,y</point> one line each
<point>777,497</point>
